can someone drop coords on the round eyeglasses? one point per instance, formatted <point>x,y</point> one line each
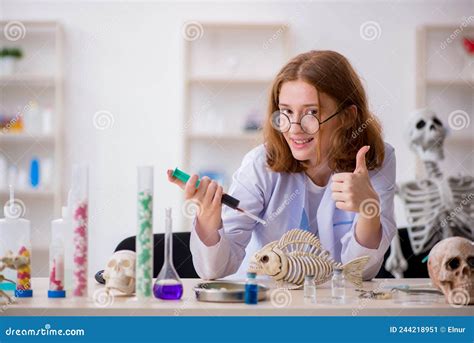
<point>309,122</point>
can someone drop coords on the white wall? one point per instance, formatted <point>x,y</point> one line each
<point>126,58</point>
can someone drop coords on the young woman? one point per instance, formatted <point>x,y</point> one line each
<point>323,167</point>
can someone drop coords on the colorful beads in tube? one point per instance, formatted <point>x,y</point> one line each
<point>80,223</point>
<point>56,272</point>
<point>24,271</point>
<point>144,242</point>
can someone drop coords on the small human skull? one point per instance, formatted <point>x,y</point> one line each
<point>426,134</point>
<point>119,273</point>
<point>451,268</point>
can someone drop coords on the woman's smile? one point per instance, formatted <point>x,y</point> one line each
<point>301,143</point>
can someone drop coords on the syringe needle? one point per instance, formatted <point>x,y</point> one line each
<point>250,215</point>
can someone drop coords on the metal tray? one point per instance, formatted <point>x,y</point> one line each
<point>225,292</point>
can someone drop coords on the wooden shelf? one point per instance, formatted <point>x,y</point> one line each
<point>224,87</point>
<point>244,25</point>
<point>458,139</point>
<point>26,138</point>
<point>245,136</point>
<point>28,193</point>
<point>34,26</point>
<point>18,80</point>
<point>446,27</point>
<point>229,79</point>
<point>35,87</point>
<point>446,83</point>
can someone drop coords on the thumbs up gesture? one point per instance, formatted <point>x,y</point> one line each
<point>353,191</point>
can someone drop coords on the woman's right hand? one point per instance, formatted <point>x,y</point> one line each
<point>208,199</point>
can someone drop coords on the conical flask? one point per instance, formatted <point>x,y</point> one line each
<point>168,285</point>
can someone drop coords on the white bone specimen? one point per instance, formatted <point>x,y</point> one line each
<point>436,207</point>
<point>119,273</point>
<point>299,253</point>
<point>451,268</point>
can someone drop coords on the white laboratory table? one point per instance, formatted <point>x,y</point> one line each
<point>278,303</point>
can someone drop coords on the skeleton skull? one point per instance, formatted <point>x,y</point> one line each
<point>266,261</point>
<point>119,273</point>
<point>426,134</point>
<point>451,268</point>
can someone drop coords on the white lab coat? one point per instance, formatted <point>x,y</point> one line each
<point>279,198</point>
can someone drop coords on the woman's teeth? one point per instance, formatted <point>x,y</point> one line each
<point>302,141</point>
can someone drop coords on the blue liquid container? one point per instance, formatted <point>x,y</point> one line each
<point>251,289</point>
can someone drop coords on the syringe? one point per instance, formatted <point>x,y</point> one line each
<point>226,198</point>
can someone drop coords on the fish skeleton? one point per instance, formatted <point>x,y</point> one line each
<point>299,253</point>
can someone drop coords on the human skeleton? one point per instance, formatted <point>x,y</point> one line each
<point>436,206</point>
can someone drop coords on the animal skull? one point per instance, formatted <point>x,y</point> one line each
<point>451,268</point>
<point>119,273</point>
<point>266,261</point>
<point>426,134</point>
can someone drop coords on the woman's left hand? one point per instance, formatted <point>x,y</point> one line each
<point>353,191</point>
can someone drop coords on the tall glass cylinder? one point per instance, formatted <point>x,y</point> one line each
<point>79,205</point>
<point>144,242</point>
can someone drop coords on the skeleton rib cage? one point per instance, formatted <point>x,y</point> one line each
<point>300,264</point>
<point>438,208</point>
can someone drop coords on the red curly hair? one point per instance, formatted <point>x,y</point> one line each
<point>330,73</point>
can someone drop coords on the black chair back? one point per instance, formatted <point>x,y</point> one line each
<point>416,268</point>
<point>182,258</point>
<point>183,261</point>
